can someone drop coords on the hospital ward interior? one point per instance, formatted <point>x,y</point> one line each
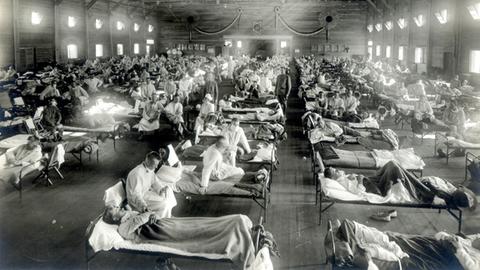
<point>240,134</point>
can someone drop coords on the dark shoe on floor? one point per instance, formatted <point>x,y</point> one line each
<point>441,153</point>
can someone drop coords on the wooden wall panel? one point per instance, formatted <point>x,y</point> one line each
<point>6,33</point>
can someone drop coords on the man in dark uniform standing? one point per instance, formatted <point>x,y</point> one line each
<point>283,87</point>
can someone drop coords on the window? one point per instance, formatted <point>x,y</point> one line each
<point>419,55</point>
<point>239,44</point>
<point>388,51</point>
<point>150,41</point>
<point>378,26</point>
<point>370,43</point>
<point>228,43</point>
<point>72,51</point>
<point>71,22</point>
<point>389,25</point>
<point>98,23</point>
<point>401,53</point>
<point>120,26</point>
<point>150,28</point>
<point>419,20</point>
<point>147,50</point>
<point>119,49</point>
<point>370,53</point>
<point>98,50</point>
<point>402,23</point>
<point>136,27</point>
<point>475,61</point>
<point>474,11</point>
<point>370,28</point>
<point>283,44</point>
<point>442,16</point>
<point>136,48</point>
<point>378,50</point>
<point>36,18</point>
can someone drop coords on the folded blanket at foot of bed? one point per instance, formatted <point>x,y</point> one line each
<point>355,243</point>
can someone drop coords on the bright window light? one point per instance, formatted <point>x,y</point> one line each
<point>228,43</point>
<point>378,26</point>
<point>150,28</point>
<point>419,20</point>
<point>283,44</point>
<point>119,49</point>
<point>474,11</point>
<point>442,16</point>
<point>98,23</point>
<point>402,23</point>
<point>36,18</point>
<point>370,53</point>
<point>120,26</point>
<point>147,49</point>
<point>239,44</point>
<point>71,22</point>
<point>136,27</point>
<point>98,50</point>
<point>388,51</point>
<point>401,53</point>
<point>378,50</point>
<point>370,28</point>
<point>419,55</point>
<point>150,41</point>
<point>72,51</point>
<point>389,25</point>
<point>136,48</point>
<point>370,43</point>
<point>475,61</point>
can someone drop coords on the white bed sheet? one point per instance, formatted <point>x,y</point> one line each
<point>14,141</point>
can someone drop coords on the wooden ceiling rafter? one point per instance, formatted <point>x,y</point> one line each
<point>374,6</point>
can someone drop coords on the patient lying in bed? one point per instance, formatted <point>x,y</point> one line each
<point>206,235</point>
<point>394,184</point>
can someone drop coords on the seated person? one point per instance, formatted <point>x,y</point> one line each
<point>206,108</point>
<point>93,83</point>
<point>174,114</point>
<point>9,74</point>
<point>144,191</point>
<point>234,136</point>
<point>351,103</point>
<point>422,113</point>
<point>50,91</point>
<point>224,103</point>
<point>21,161</point>
<point>214,167</point>
<point>77,94</point>
<point>254,90</point>
<point>206,235</point>
<point>454,118</point>
<point>51,120</point>
<point>335,106</point>
<point>395,183</point>
<point>150,117</point>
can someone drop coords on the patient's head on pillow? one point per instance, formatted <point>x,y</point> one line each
<point>332,173</point>
<point>464,198</point>
<point>113,214</point>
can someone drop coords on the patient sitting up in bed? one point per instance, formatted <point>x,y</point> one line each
<point>392,183</point>
<point>144,191</point>
<point>20,161</point>
<point>236,140</point>
<point>214,166</point>
<point>228,235</point>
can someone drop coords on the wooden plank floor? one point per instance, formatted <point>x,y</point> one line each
<point>46,229</point>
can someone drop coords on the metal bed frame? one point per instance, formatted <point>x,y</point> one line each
<point>439,136</point>
<point>469,158</point>
<point>90,254</point>
<point>330,202</point>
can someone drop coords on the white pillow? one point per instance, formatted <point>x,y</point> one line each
<point>115,194</point>
<point>104,236</point>
<point>169,174</point>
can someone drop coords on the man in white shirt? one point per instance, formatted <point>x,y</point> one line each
<point>174,114</point>
<point>351,103</point>
<point>235,136</point>
<point>93,83</point>
<point>213,166</point>
<point>144,191</point>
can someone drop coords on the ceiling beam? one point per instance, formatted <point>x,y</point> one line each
<point>90,4</point>
<point>387,5</point>
<point>374,6</point>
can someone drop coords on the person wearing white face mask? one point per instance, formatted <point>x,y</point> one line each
<point>206,108</point>
<point>235,136</point>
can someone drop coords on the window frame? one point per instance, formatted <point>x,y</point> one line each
<point>72,49</point>
<point>477,63</point>
<point>120,49</point>
<point>97,46</point>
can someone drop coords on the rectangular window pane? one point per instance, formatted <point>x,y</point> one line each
<point>475,61</point>
<point>72,51</point>
<point>98,50</point>
<point>119,49</point>
<point>378,51</point>
<point>419,55</point>
<point>388,51</point>
<point>150,41</point>
<point>136,48</point>
<point>147,50</point>
<point>370,53</point>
